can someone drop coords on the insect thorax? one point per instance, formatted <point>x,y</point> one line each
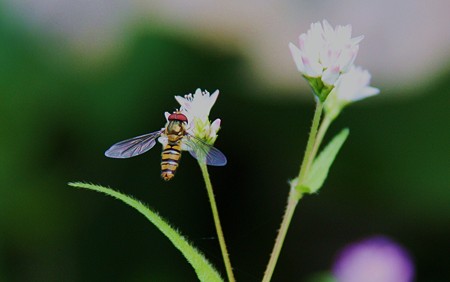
<point>175,130</point>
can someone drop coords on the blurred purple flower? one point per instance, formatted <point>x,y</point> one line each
<point>377,259</point>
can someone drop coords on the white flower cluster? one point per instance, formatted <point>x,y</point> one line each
<point>196,107</point>
<point>325,57</point>
<point>325,52</point>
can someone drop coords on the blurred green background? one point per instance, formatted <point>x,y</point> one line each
<point>59,112</point>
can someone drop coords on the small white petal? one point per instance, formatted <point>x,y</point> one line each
<point>331,75</point>
<point>344,32</point>
<point>183,102</point>
<point>213,98</point>
<point>347,58</point>
<point>312,68</point>
<point>357,40</point>
<point>297,56</point>
<point>327,28</point>
<point>354,85</point>
<point>216,124</point>
<point>367,92</point>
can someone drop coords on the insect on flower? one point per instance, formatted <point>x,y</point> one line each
<point>174,138</point>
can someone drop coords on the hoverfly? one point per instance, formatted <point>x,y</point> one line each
<point>176,138</point>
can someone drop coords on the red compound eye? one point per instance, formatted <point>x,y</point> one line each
<point>178,116</point>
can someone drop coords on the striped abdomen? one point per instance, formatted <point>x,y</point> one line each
<point>170,157</point>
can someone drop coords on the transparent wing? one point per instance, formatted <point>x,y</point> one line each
<point>204,152</point>
<point>133,146</point>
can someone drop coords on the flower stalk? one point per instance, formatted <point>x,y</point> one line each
<point>215,212</point>
<point>324,125</point>
<point>293,198</point>
<point>294,194</point>
<point>309,156</point>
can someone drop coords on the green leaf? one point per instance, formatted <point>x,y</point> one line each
<point>321,165</point>
<point>205,271</point>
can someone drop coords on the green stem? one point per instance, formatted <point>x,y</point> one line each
<point>308,157</point>
<point>215,213</point>
<point>326,122</point>
<point>294,196</point>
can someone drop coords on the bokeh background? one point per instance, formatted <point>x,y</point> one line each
<point>78,76</point>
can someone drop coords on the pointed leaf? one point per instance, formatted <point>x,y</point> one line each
<point>205,271</point>
<point>321,165</point>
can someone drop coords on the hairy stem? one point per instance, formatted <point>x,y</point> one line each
<point>326,122</point>
<point>309,157</point>
<point>294,195</point>
<point>212,201</point>
<point>293,199</point>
